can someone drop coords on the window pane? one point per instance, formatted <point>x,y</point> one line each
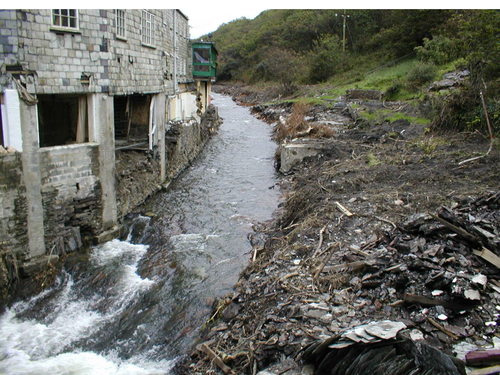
<point>72,12</point>
<point>64,12</point>
<point>72,22</point>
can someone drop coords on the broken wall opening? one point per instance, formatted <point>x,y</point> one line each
<point>62,119</point>
<point>132,118</point>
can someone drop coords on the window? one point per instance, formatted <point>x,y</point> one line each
<point>66,18</point>
<point>62,119</point>
<point>148,22</point>
<point>120,23</point>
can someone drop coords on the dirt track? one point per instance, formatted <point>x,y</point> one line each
<point>319,271</point>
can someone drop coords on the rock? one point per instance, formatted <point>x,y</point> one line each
<point>231,311</point>
<point>35,264</point>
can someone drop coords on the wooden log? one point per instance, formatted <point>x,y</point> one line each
<point>483,357</point>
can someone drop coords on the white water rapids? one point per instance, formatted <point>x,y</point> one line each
<point>30,346</point>
<point>133,306</point>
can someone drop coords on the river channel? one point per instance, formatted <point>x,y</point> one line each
<point>135,305</point>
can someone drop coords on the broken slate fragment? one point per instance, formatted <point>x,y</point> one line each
<point>386,329</point>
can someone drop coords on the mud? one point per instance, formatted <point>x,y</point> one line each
<point>339,255</point>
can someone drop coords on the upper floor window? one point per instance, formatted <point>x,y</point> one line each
<point>148,23</point>
<point>65,18</point>
<point>120,23</point>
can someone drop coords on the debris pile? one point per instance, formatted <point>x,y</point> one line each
<point>379,348</point>
<point>425,275</point>
<point>390,227</point>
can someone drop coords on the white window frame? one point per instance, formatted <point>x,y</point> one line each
<point>121,24</point>
<point>58,19</point>
<point>148,28</point>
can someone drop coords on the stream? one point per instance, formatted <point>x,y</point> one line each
<point>135,305</point>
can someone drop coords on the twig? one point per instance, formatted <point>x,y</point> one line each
<point>386,221</point>
<point>344,210</point>
<point>257,249</point>
<point>489,129</point>
<point>216,359</point>
<point>322,265</point>
<point>321,233</point>
<point>441,328</point>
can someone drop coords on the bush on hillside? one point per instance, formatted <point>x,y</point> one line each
<point>327,59</point>
<point>438,50</point>
<point>421,74</point>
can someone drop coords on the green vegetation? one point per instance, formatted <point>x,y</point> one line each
<point>399,52</point>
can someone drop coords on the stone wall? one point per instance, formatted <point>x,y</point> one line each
<point>115,64</point>
<point>13,207</point>
<point>13,216</point>
<point>71,195</point>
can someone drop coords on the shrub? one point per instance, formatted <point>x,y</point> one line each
<point>327,58</point>
<point>295,123</point>
<point>421,74</point>
<point>438,50</point>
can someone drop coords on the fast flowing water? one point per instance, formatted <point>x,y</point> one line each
<point>137,304</point>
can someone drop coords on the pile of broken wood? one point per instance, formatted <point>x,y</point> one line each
<point>437,273</point>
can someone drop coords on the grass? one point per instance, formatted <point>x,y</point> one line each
<point>366,76</point>
<point>383,115</point>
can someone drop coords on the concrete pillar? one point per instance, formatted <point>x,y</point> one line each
<point>160,119</point>
<point>32,178</point>
<point>102,131</point>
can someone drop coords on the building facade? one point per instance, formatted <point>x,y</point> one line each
<point>75,86</point>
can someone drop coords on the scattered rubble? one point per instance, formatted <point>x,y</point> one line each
<point>388,245</point>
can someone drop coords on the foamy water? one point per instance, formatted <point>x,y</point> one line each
<point>52,341</point>
<point>136,305</point>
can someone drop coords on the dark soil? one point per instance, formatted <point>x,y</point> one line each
<point>319,271</point>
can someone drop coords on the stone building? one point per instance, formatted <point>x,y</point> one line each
<point>75,86</point>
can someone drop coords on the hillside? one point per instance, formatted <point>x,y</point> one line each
<point>396,51</point>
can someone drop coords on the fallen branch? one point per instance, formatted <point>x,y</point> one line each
<point>216,359</point>
<point>460,231</point>
<point>343,266</point>
<point>322,265</point>
<point>386,221</point>
<point>257,249</point>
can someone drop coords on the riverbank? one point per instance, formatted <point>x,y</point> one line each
<point>389,224</point>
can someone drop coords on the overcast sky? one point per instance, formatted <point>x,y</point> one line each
<point>204,19</point>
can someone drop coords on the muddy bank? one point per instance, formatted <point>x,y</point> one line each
<point>389,226</point>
